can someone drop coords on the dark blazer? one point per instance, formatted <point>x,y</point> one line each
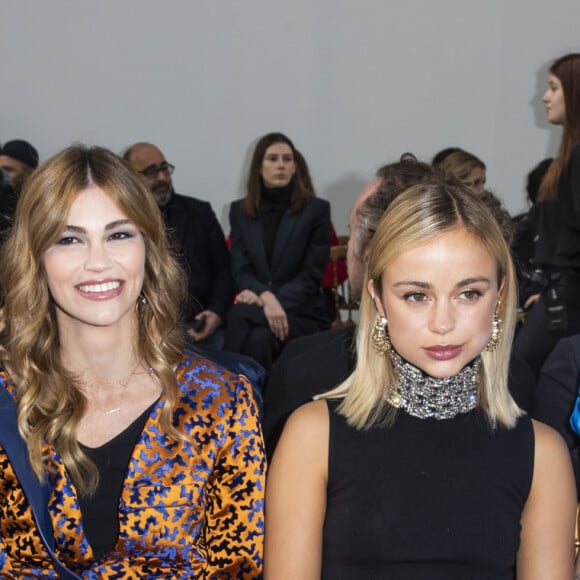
<point>308,366</point>
<point>556,395</point>
<point>301,252</point>
<point>200,243</point>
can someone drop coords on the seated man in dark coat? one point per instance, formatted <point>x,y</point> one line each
<point>199,242</point>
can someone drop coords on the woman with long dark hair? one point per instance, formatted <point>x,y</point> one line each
<point>555,311</point>
<point>280,244</point>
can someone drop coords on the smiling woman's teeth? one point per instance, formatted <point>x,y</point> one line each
<point>106,287</point>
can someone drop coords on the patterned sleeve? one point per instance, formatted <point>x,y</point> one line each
<point>22,553</point>
<point>235,511</point>
<point>5,567</point>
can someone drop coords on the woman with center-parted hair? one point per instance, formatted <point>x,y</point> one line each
<point>280,246</point>
<point>420,465</point>
<point>153,455</point>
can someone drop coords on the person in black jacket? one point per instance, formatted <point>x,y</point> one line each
<point>199,242</point>
<point>555,311</point>
<point>280,245</point>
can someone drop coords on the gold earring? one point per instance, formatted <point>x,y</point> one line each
<point>496,330</point>
<point>380,335</point>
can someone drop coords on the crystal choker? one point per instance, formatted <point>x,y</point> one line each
<point>425,397</point>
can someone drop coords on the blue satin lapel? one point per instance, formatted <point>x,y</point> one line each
<point>36,493</point>
<point>575,417</point>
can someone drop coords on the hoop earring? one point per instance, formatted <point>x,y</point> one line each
<point>380,335</point>
<point>140,304</point>
<point>496,331</point>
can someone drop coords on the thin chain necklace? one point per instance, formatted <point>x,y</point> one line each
<point>122,384</point>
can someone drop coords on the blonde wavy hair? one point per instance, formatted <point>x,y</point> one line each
<point>418,215</point>
<point>50,402</point>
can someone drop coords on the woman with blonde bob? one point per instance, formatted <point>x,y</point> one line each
<point>138,441</point>
<point>420,465</point>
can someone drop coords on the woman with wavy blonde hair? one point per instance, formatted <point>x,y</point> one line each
<point>421,465</point>
<point>108,403</point>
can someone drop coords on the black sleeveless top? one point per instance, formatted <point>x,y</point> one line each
<point>426,499</point>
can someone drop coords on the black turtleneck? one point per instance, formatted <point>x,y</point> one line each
<point>274,203</point>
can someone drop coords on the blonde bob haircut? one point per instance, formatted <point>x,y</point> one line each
<point>418,215</point>
<point>50,402</point>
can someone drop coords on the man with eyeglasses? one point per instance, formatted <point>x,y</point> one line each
<point>199,241</point>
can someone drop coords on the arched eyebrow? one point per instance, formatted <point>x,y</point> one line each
<point>460,284</point>
<point>474,280</point>
<point>108,227</point>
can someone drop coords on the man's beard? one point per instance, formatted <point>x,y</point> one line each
<point>162,192</point>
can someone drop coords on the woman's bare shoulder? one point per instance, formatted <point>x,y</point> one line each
<point>310,416</point>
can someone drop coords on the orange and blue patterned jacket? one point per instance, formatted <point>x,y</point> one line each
<point>188,509</point>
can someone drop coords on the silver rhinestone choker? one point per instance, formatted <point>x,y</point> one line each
<point>425,397</point>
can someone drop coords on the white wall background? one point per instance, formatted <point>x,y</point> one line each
<point>353,83</point>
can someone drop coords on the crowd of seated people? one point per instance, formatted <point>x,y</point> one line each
<point>223,272</point>
<point>237,297</point>
<point>226,276</point>
<point>264,291</point>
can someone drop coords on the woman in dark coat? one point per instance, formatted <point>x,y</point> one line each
<point>280,240</point>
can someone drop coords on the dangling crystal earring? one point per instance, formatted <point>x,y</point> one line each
<point>380,336</point>
<point>496,332</point>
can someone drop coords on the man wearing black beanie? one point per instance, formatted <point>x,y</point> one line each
<point>18,159</point>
